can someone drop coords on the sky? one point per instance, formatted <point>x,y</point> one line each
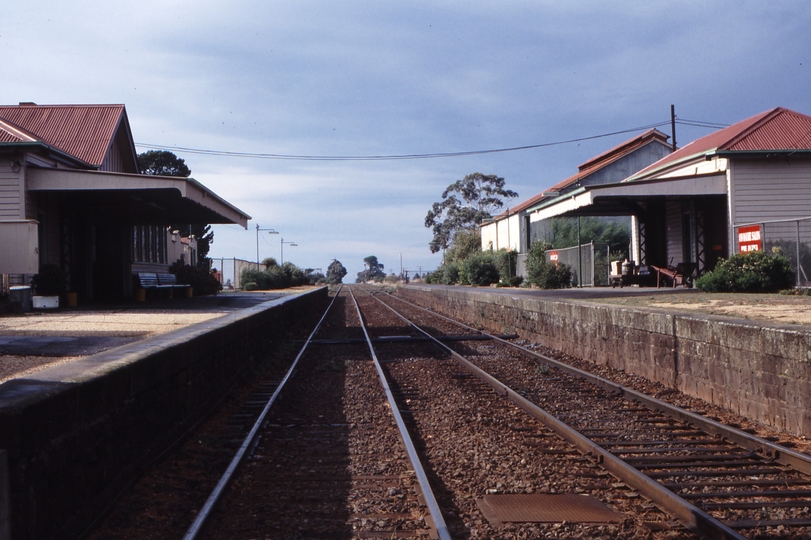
<point>384,78</point>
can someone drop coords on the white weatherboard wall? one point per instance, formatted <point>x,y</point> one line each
<point>767,191</point>
<point>489,234</point>
<point>11,192</point>
<point>19,243</point>
<point>504,233</point>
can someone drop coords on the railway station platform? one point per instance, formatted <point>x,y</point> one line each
<point>759,368</point>
<point>121,384</point>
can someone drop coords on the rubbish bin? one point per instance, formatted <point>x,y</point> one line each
<point>21,295</point>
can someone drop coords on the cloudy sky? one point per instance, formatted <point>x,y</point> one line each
<point>378,78</point>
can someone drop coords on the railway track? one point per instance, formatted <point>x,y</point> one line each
<point>414,426</point>
<point>719,481</point>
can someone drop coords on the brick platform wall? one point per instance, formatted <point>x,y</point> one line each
<point>758,370</point>
<point>76,434</point>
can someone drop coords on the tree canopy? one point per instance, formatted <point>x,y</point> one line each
<point>373,270</point>
<point>465,204</point>
<point>335,272</point>
<point>162,163</point>
<point>165,163</point>
<point>615,233</point>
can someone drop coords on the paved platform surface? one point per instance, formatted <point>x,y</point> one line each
<point>584,293</point>
<point>34,341</point>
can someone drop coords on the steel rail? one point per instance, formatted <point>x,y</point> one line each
<point>225,479</point>
<point>689,515</point>
<point>785,456</point>
<point>425,486</point>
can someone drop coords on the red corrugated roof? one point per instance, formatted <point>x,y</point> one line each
<point>9,133</point>
<point>593,165</point>
<point>777,129</point>
<point>623,149</point>
<point>83,131</point>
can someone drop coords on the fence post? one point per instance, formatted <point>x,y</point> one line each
<point>579,256</point>
<point>798,253</point>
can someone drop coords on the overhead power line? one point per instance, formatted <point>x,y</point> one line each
<point>395,157</point>
<point>700,123</point>
<point>387,157</point>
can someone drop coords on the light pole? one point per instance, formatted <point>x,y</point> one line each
<point>269,231</point>
<point>283,243</point>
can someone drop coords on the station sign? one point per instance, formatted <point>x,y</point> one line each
<point>750,239</point>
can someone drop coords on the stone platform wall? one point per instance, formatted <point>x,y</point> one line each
<point>76,434</point>
<point>758,370</point>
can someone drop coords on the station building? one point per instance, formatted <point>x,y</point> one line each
<point>71,194</point>
<point>744,187</point>
<point>516,230</point>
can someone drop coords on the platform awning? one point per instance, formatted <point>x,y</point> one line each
<point>623,199</point>
<point>159,199</point>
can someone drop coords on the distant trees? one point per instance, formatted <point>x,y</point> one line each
<point>373,270</point>
<point>314,277</point>
<point>273,276</point>
<point>162,163</point>
<point>465,204</point>
<point>335,272</point>
<point>617,234</point>
<point>165,163</point>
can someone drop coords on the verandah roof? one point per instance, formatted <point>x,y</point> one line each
<point>162,199</point>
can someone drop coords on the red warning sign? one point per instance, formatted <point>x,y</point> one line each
<point>749,239</point>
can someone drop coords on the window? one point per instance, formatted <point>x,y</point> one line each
<point>149,244</point>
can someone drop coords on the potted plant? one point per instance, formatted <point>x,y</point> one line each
<point>49,285</point>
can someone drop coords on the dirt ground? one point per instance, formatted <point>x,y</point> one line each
<point>773,308</point>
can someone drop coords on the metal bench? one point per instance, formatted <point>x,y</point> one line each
<point>170,281</point>
<point>160,281</point>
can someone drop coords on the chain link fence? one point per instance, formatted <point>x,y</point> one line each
<point>792,238</point>
<point>589,263</point>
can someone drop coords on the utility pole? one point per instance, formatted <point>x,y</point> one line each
<point>673,126</point>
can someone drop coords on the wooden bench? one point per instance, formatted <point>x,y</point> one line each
<point>682,274</point>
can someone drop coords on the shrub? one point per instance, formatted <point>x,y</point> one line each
<point>543,273</point>
<point>201,279</point>
<point>479,269</point>
<point>755,271</point>
<point>450,273</point>
<point>273,277</point>
<point>515,281</point>
<point>506,262</point>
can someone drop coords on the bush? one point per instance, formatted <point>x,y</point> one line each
<point>201,279</point>
<point>479,269</point>
<point>450,273</point>
<point>543,273</point>
<point>273,277</point>
<point>514,281</point>
<point>506,262</point>
<point>755,271</point>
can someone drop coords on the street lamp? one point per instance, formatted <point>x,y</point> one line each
<point>283,243</point>
<point>269,231</point>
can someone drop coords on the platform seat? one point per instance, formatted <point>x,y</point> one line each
<point>163,282</point>
<point>681,274</point>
